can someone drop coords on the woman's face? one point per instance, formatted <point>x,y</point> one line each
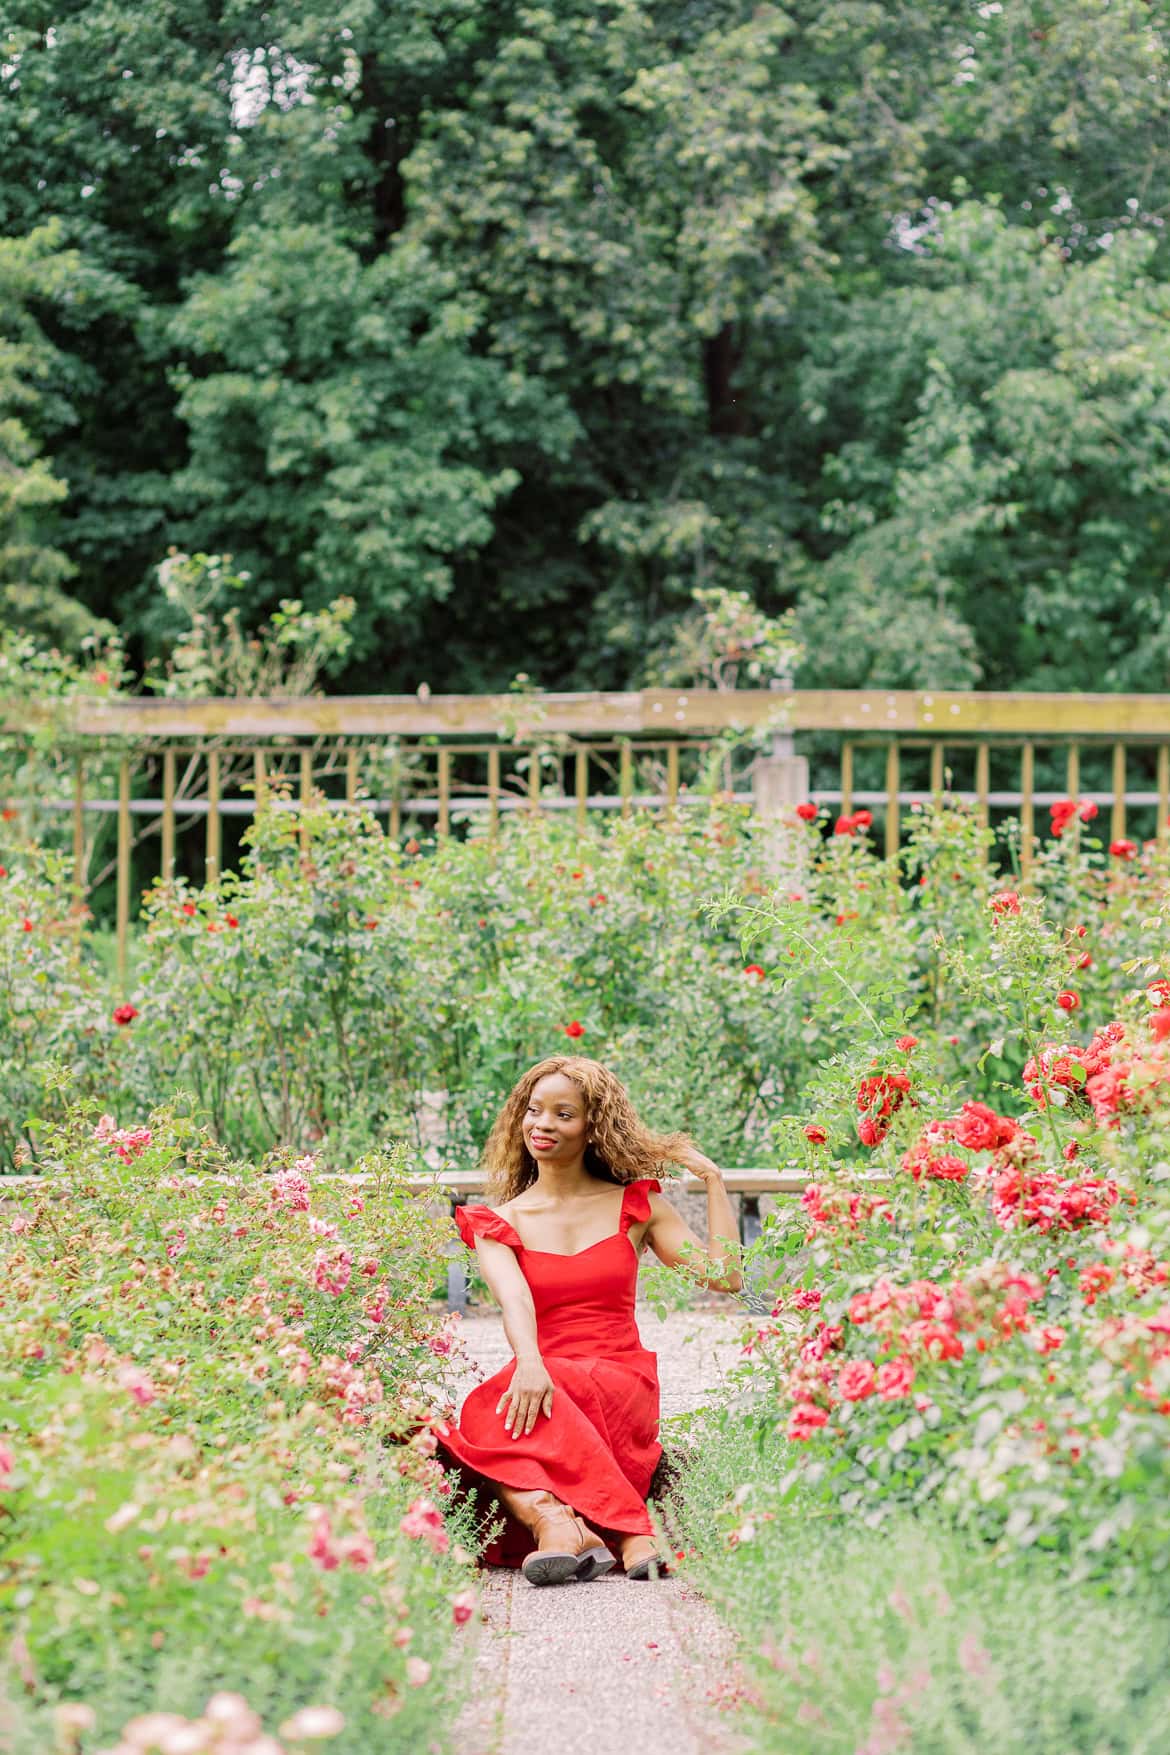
<point>555,1123</point>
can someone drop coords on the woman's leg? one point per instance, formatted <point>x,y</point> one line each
<point>566,1547</point>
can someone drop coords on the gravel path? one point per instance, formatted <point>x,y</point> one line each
<point>586,1669</point>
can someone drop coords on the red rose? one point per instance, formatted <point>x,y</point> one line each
<point>412,845</point>
<point>906,1043</point>
<point>188,909</point>
<point>1123,849</point>
<point>815,1134</point>
<point>856,1380</point>
<point>845,826</point>
<point>1004,902</point>
<point>895,1378</point>
<point>1160,1024</point>
<point>26,925</point>
<point>1068,1002</point>
<point>756,973</point>
<point>231,920</point>
<point>125,1014</point>
<point>3,871</point>
<point>871,1132</point>
<point>804,1420</point>
<point>574,1029</point>
<point>1088,811</point>
<point>807,813</point>
<point>862,818</point>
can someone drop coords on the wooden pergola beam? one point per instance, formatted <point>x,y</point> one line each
<point>665,712</point>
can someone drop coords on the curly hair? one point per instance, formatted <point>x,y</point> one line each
<point>622,1148</point>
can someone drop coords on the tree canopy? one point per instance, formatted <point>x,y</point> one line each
<point>518,325</point>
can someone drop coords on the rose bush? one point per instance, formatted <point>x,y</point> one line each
<point>216,1464</point>
<point>343,989</point>
<point>968,1345</point>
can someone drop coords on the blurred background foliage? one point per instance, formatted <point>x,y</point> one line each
<point>513,327</point>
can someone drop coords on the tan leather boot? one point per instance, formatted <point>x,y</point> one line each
<point>566,1547</point>
<point>641,1558</point>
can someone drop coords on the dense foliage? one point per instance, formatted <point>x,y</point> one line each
<point>219,1498</point>
<point>936,1507</point>
<point>516,324</point>
<point>346,991</point>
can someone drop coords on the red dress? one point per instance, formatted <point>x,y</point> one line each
<point>599,1447</point>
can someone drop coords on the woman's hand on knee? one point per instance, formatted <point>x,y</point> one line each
<point>530,1393</point>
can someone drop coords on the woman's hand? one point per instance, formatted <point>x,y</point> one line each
<point>530,1393</point>
<point>692,1159</point>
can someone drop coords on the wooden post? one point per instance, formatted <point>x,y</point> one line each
<point>893,824</point>
<point>626,779</point>
<point>168,817</point>
<point>306,796</point>
<point>671,778</point>
<point>534,779</point>
<point>122,881</point>
<point>351,776</point>
<point>937,769</point>
<point>78,838</point>
<point>444,817</point>
<point>213,845</point>
<point>493,792</point>
<point>1072,773</point>
<point>982,784</point>
<point>1117,817</point>
<point>846,779</point>
<point>1027,806</point>
<point>581,782</point>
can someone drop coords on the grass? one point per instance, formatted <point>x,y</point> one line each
<point>913,1637</point>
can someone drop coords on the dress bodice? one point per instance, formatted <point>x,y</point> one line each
<point>584,1301</point>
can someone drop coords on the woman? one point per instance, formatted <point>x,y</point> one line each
<point>566,1437</point>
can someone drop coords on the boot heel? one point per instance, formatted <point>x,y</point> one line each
<point>595,1563</point>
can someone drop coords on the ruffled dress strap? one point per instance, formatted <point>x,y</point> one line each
<point>636,1202</point>
<point>473,1222</point>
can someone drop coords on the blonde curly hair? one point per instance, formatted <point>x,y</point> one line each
<point>621,1147</point>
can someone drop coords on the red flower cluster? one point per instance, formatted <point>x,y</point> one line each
<point>1065,809</point>
<point>1123,849</point>
<point>878,1096</point>
<point>1004,902</point>
<point>837,1209</point>
<point>916,1326</point>
<point>1045,1202</point>
<point>849,825</point>
<point>807,813</point>
<point>1069,1066</point>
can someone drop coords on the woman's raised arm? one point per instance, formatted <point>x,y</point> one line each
<point>673,1241</point>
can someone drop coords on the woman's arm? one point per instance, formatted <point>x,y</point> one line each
<point>531,1389</point>
<point>673,1241</point>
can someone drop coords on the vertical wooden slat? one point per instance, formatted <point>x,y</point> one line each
<point>626,778</point>
<point>534,778</point>
<point>351,776</point>
<point>122,880</point>
<point>78,836</point>
<point>306,794</point>
<point>213,844</point>
<point>1072,772</point>
<point>937,769</point>
<point>1163,792</point>
<point>893,813</point>
<point>168,818</point>
<point>671,778</point>
<point>1117,818</point>
<point>846,779</point>
<point>259,779</point>
<point>1027,805</point>
<point>581,783</point>
<point>444,820</point>
<point>982,784</point>
<point>493,792</point>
